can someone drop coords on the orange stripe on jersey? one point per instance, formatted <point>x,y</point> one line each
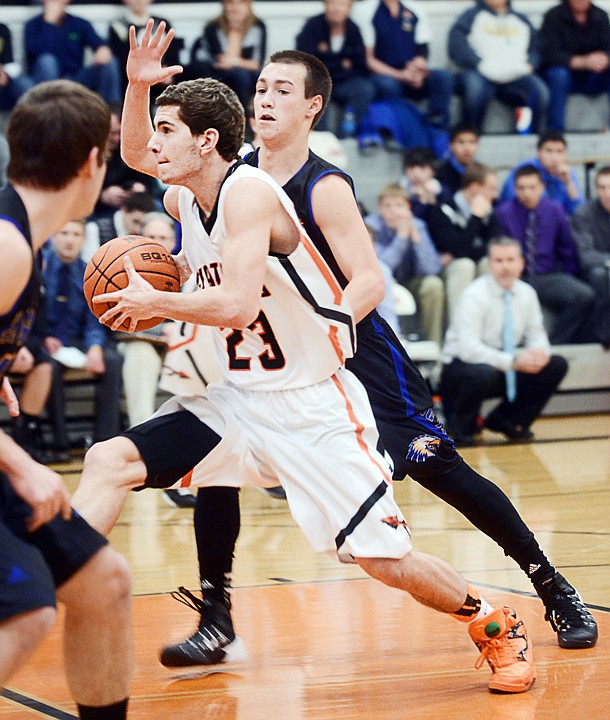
<point>359,429</point>
<point>184,342</point>
<point>186,480</point>
<point>332,336</point>
<point>322,267</point>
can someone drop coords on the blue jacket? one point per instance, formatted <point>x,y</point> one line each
<point>555,189</point>
<point>84,329</point>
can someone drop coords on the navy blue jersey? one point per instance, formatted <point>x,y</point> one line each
<point>394,385</point>
<point>15,325</point>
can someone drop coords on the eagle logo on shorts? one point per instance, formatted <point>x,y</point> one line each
<point>394,522</point>
<point>423,447</point>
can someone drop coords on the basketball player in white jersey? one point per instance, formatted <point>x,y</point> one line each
<point>286,409</point>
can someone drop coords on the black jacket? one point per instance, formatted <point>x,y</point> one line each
<point>562,37</point>
<point>348,62</point>
<point>452,232</point>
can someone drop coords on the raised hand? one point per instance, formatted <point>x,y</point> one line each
<point>144,61</point>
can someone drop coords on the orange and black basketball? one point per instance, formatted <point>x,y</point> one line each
<point>106,272</point>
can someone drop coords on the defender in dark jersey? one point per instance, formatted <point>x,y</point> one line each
<point>47,551</point>
<point>409,429</point>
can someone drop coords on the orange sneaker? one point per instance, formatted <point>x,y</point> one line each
<point>502,639</point>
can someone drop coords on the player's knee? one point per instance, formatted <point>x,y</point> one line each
<point>104,586</point>
<point>29,628</point>
<point>114,576</point>
<point>110,462</point>
<point>40,621</point>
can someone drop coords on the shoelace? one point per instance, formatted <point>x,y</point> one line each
<point>500,652</point>
<point>569,608</point>
<point>187,598</point>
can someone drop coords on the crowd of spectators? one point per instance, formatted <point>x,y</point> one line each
<point>444,231</point>
<point>377,52</point>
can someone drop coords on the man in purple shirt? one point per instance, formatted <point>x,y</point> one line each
<point>551,261</point>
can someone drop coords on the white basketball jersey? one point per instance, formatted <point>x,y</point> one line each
<point>304,331</point>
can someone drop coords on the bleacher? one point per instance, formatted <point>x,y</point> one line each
<point>586,388</point>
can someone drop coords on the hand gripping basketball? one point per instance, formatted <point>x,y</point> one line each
<point>120,275</point>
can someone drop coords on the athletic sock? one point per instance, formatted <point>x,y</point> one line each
<point>473,607</point>
<point>535,563</point>
<point>116,711</point>
<point>217,522</point>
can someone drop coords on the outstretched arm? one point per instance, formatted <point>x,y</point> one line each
<point>144,69</point>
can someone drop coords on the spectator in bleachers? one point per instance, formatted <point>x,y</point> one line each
<point>55,45</point>
<point>462,227</point>
<point>419,181</point>
<point>591,229</point>
<point>336,40</point>
<point>12,81</point>
<point>551,161</point>
<point>74,336</point>
<point>138,14</point>
<point>231,49</point>
<point>498,52</point>
<point>496,346</point>
<point>33,366</point>
<point>386,307</point>
<point>551,262</point>
<point>575,37</point>
<point>120,179</point>
<point>397,37</point>
<point>403,243</point>
<point>463,148</point>
<point>127,220</point>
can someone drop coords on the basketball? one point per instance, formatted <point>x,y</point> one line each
<point>105,272</point>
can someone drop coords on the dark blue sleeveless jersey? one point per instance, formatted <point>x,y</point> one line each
<point>394,385</point>
<point>16,324</point>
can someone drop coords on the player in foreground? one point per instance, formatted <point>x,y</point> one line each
<point>292,91</point>
<point>286,411</point>
<point>46,550</point>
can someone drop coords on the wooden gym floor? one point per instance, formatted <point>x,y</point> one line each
<point>327,643</point>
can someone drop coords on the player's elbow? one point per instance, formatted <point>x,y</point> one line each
<point>133,157</point>
<point>377,289</point>
<point>241,315</point>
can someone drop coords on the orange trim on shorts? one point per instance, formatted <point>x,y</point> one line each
<point>184,342</point>
<point>186,480</point>
<point>322,267</point>
<point>359,428</point>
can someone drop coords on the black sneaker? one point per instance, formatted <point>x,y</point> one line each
<point>214,642</point>
<point>575,626</point>
<point>28,434</point>
<point>178,499</point>
<point>507,427</point>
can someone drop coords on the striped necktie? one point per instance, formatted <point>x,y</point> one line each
<point>508,345</point>
<point>530,246</point>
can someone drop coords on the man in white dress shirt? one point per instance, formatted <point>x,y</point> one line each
<point>496,346</point>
